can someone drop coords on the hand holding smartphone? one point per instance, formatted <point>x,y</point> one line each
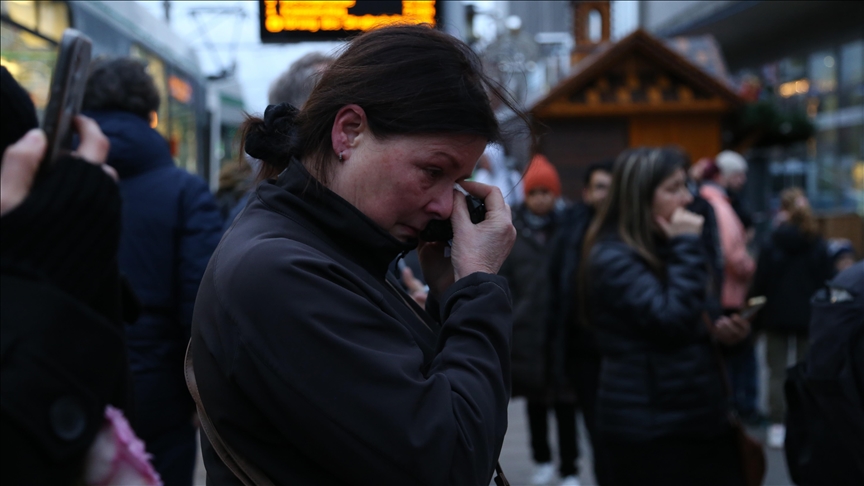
<point>442,230</point>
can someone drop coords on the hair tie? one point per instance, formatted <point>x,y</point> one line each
<point>274,137</point>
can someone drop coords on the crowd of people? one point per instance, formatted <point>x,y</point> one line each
<point>301,325</point>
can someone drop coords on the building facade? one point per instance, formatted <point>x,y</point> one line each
<point>806,57</point>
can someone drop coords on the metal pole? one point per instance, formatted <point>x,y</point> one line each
<point>167,6</point>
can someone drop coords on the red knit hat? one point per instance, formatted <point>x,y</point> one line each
<point>541,173</point>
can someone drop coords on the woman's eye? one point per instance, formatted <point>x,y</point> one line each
<point>433,172</point>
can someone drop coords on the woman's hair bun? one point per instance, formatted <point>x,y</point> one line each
<point>273,138</point>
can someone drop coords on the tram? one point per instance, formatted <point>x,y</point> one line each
<point>197,118</point>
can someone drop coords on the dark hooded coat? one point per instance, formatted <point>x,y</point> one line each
<point>171,225</point>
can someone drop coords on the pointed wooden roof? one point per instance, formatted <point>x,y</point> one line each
<point>638,74</point>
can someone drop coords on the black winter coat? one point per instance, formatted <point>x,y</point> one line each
<point>63,352</point>
<point>791,267</point>
<point>565,255</point>
<point>659,376</point>
<point>525,270</point>
<point>314,367</point>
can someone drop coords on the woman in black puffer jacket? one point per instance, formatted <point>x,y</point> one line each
<point>661,406</point>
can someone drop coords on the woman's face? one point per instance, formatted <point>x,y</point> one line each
<point>403,182</point>
<point>670,195</point>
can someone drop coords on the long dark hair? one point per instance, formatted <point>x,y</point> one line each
<point>408,80</point>
<point>627,209</point>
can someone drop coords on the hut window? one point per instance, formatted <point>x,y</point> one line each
<point>595,26</point>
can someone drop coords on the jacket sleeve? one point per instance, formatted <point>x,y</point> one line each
<point>346,382</point>
<point>199,234</point>
<point>666,309</point>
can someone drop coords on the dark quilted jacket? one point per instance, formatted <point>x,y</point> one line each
<point>659,374</point>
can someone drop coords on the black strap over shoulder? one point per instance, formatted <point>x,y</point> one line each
<point>244,470</point>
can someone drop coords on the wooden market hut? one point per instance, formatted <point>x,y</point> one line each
<point>635,92</point>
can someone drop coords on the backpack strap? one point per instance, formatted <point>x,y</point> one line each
<point>244,470</point>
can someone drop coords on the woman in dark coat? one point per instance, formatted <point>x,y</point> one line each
<point>310,362</point>
<point>792,265</point>
<point>661,405</point>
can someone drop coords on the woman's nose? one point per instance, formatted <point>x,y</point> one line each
<point>441,206</point>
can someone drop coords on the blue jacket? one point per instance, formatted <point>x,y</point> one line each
<point>171,225</point>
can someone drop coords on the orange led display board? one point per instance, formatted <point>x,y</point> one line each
<point>283,21</point>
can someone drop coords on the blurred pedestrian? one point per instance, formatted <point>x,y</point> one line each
<point>235,181</point>
<point>492,169</point>
<point>64,363</point>
<point>295,84</point>
<point>733,168</point>
<point>730,174</point>
<point>792,265</point>
<point>293,87</point>
<point>311,364</point>
<point>842,254</point>
<point>825,425</point>
<point>171,224</point>
<point>525,269</point>
<point>575,358</point>
<point>662,412</point>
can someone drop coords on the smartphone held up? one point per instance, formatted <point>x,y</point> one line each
<point>66,94</point>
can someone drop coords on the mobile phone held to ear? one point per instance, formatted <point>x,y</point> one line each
<point>66,94</point>
<point>442,230</point>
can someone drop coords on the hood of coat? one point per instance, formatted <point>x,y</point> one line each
<point>297,194</point>
<point>789,238</point>
<point>135,147</point>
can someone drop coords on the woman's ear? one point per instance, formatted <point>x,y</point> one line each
<point>349,128</point>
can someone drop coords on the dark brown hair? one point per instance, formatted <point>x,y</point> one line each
<point>120,84</point>
<point>408,80</point>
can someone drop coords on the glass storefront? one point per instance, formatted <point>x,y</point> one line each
<point>827,85</point>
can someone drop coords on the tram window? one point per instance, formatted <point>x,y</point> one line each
<point>53,19</point>
<point>22,13</point>
<point>183,139</point>
<point>49,19</point>
<point>30,59</point>
<point>156,69</point>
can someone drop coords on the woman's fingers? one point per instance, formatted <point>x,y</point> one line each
<point>20,163</point>
<point>94,144</point>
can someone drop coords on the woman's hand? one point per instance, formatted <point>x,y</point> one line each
<point>481,247</point>
<point>730,330</point>
<point>476,248</point>
<point>21,160</point>
<point>683,222</point>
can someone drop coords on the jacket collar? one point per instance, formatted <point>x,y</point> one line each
<point>135,147</point>
<point>300,196</point>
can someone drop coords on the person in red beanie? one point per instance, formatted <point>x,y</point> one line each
<point>532,377</point>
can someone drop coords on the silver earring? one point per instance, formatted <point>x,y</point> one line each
<point>340,157</point>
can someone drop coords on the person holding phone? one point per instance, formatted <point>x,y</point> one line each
<point>312,364</point>
<point>63,355</point>
<point>662,414</point>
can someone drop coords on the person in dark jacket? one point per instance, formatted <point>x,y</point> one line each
<point>662,413</point>
<point>525,269</point>
<point>63,355</point>
<point>171,225</point>
<point>311,363</point>
<point>792,265</point>
<point>574,355</point>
